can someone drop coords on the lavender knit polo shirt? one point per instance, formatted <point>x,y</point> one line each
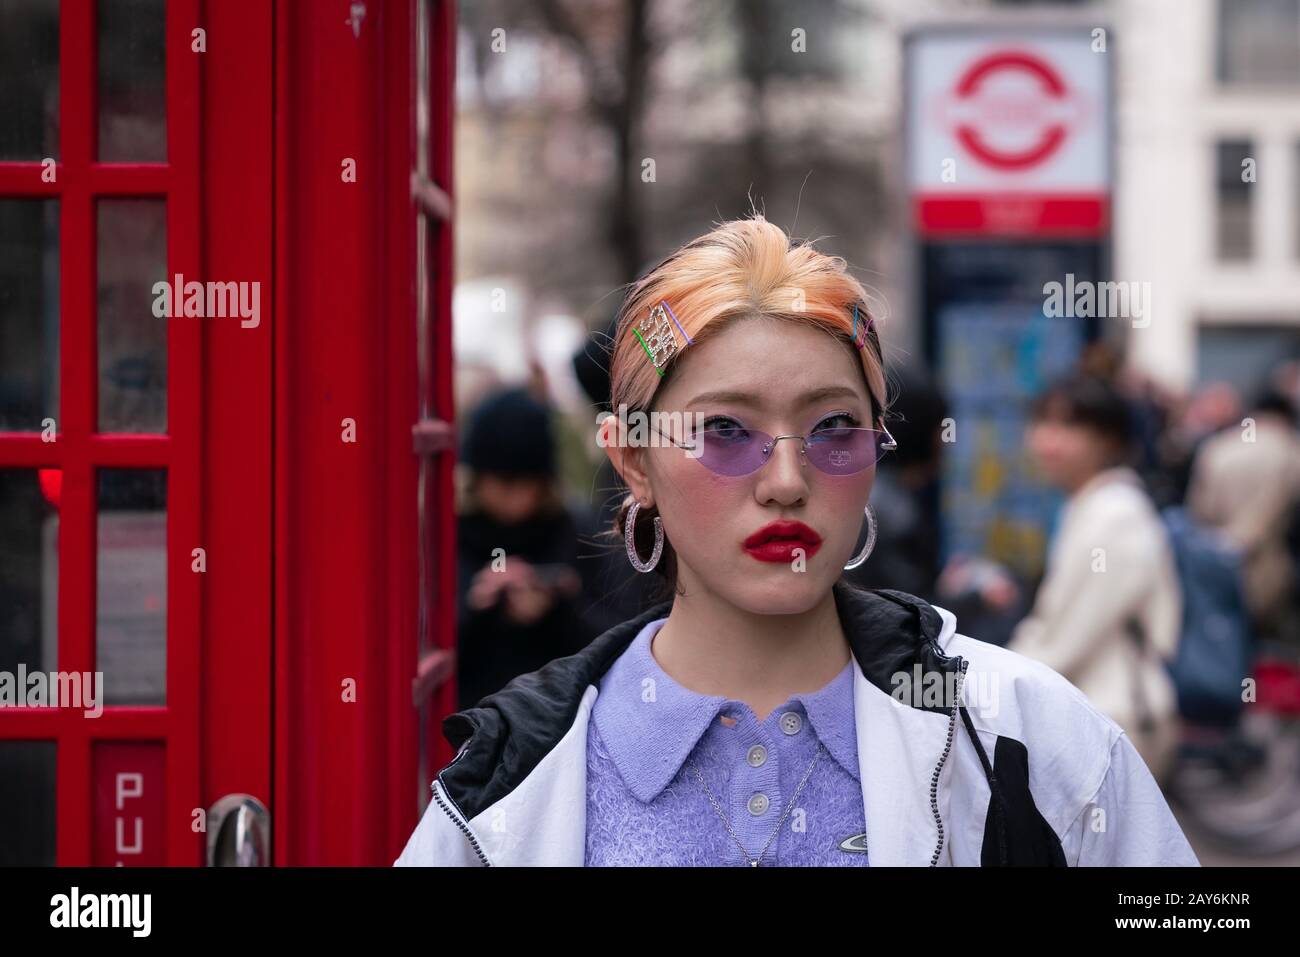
<point>645,805</point>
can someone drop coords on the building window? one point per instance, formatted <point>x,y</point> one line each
<point>1259,42</point>
<point>1235,182</point>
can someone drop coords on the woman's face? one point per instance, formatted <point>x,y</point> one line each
<point>782,378</point>
<point>1067,454</point>
<point>510,499</point>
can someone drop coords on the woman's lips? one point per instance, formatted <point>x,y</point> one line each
<point>777,541</point>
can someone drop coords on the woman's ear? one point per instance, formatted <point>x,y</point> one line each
<point>628,461</point>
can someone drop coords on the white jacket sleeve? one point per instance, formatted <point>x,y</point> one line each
<point>1127,823</point>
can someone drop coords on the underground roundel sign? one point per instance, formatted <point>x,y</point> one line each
<point>1008,133</point>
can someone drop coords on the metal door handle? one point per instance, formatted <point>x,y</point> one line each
<point>239,832</point>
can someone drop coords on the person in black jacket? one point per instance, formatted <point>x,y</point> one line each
<point>519,590</point>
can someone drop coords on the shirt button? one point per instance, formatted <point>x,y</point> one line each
<point>791,722</point>
<point>758,804</point>
<point>757,756</point>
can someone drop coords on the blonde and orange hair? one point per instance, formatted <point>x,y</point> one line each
<point>742,269</point>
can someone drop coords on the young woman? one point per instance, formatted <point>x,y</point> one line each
<point>770,714</point>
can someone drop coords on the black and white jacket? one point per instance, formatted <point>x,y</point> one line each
<point>969,755</point>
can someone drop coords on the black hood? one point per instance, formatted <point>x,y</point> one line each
<point>890,632</point>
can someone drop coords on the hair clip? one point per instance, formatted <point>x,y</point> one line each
<point>656,335</point>
<point>866,327</point>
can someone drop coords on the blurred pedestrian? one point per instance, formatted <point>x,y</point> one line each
<point>520,592</point>
<point>1211,409</point>
<point>1108,611</point>
<point>1245,482</point>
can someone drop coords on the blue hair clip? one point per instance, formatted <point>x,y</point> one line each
<point>867,326</point>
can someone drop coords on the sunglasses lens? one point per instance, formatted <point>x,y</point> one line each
<point>731,451</point>
<point>739,451</point>
<point>844,451</point>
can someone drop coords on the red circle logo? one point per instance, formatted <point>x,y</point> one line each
<point>1037,112</point>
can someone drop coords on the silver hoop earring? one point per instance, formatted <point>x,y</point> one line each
<point>629,537</point>
<point>871,541</point>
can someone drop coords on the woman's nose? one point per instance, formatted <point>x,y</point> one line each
<point>783,477</point>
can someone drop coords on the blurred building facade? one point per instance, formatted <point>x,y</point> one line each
<point>1208,183</point>
<point>549,120</point>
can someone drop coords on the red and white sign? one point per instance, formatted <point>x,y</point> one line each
<point>1008,133</point>
<point>129,826</point>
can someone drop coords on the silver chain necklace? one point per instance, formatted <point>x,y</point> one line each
<point>753,861</point>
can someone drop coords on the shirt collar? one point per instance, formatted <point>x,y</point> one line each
<point>650,724</point>
<point>830,711</point>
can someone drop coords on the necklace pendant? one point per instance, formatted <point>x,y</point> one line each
<point>753,863</point>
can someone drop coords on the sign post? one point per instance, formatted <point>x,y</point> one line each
<point>1009,174</point>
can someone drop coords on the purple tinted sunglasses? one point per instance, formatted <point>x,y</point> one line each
<point>741,451</point>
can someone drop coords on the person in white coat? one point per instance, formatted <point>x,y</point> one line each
<point>768,713</point>
<point>1108,612</point>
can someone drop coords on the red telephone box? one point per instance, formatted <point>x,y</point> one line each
<point>225,449</point>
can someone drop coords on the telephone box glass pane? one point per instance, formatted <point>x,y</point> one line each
<point>131,607</point>
<point>29,313</point>
<point>29,80</point>
<point>132,339</point>
<point>29,569</point>
<point>27,804</point>
<point>132,82</point>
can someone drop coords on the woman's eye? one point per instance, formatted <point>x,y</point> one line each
<point>840,420</point>
<point>725,427</point>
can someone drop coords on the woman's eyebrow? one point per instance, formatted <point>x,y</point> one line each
<point>749,398</point>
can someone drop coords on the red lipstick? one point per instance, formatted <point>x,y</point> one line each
<point>777,541</point>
